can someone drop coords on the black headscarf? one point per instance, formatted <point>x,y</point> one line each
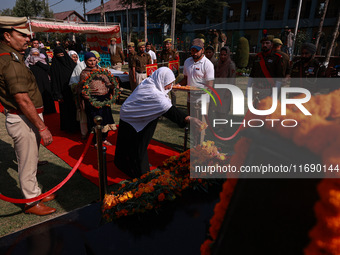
<point>61,71</point>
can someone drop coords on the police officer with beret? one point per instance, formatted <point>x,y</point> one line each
<point>169,54</point>
<point>140,61</point>
<point>306,71</point>
<point>277,45</point>
<point>20,96</point>
<point>132,70</point>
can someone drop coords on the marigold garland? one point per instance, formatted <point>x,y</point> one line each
<point>86,88</point>
<point>320,134</point>
<point>160,185</point>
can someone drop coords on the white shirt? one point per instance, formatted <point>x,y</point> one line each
<point>198,73</point>
<point>152,55</point>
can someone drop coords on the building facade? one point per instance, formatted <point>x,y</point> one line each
<point>250,17</point>
<point>247,18</point>
<point>115,12</point>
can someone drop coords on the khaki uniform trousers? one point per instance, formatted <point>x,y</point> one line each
<point>140,77</point>
<point>132,83</point>
<point>26,139</point>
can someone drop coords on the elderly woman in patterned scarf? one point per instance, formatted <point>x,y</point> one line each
<point>99,88</point>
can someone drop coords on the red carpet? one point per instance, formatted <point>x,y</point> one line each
<point>69,147</point>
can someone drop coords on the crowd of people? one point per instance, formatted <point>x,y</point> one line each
<point>30,85</point>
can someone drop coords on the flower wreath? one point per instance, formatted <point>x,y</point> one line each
<point>86,88</point>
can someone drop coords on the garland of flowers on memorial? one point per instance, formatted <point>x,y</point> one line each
<point>86,91</point>
<point>320,134</point>
<point>152,189</point>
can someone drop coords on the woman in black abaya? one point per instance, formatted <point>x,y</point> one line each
<point>39,67</point>
<point>61,71</point>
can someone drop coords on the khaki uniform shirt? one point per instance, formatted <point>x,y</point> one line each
<point>140,61</point>
<point>15,78</point>
<point>131,58</point>
<point>167,56</point>
<point>286,62</point>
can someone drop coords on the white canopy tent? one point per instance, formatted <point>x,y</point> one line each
<point>98,36</point>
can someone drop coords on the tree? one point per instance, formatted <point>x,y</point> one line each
<point>46,12</point>
<point>334,37</point>
<point>102,12</point>
<point>31,8</point>
<point>6,12</point>
<point>84,2</point>
<point>322,19</point>
<point>160,11</point>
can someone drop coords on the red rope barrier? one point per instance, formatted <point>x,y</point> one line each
<point>41,196</point>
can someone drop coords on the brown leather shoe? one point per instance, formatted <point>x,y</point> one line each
<point>39,209</point>
<point>49,198</point>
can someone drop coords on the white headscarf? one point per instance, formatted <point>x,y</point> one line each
<point>149,100</point>
<point>72,52</point>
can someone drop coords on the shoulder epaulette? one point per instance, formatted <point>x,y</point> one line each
<point>278,54</point>
<point>12,54</point>
<point>15,57</point>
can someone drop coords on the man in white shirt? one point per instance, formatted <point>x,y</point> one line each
<point>198,72</point>
<point>151,53</point>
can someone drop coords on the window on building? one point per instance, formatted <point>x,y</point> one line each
<point>270,12</point>
<point>134,18</point>
<point>141,19</point>
<point>231,13</point>
<point>306,9</point>
<point>124,21</point>
<point>119,19</point>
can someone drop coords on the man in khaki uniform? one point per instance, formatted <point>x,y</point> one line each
<point>117,55</point>
<point>277,45</point>
<point>20,96</point>
<point>169,54</point>
<point>140,61</point>
<point>132,70</point>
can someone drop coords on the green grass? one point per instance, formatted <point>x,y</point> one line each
<point>79,191</point>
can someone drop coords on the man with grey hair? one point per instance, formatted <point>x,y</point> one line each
<point>117,55</point>
<point>20,96</point>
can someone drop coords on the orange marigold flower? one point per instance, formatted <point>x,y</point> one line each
<point>161,197</point>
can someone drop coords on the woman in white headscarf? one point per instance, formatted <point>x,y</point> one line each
<point>74,80</point>
<point>138,120</point>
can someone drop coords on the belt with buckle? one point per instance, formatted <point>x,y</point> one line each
<point>18,112</point>
<point>141,72</point>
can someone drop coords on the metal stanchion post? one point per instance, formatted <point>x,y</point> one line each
<point>102,178</point>
<point>104,173</point>
<point>186,131</point>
